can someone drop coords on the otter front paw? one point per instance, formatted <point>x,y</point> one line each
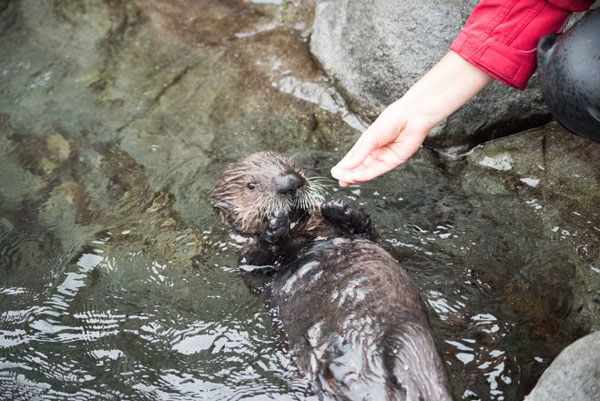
<point>277,228</point>
<point>346,218</point>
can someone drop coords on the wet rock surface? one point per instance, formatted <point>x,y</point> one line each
<point>375,51</point>
<point>118,282</point>
<point>558,175</point>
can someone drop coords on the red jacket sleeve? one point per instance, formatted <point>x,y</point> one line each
<point>501,36</point>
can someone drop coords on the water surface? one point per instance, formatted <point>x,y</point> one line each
<point>117,282</point>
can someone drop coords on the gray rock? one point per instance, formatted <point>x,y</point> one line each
<point>374,51</point>
<point>574,375</point>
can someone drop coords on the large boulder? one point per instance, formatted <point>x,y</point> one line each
<point>374,51</point>
<point>574,375</point>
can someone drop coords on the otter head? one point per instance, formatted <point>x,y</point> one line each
<point>252,189</point>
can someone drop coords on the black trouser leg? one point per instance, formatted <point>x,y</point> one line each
<point>569,72</point>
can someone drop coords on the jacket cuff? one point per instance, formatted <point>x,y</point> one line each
<point>573,5</point>
<point>501,36</point>
<point>510,66</point>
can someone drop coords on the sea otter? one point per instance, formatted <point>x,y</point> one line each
<point>353,317</point>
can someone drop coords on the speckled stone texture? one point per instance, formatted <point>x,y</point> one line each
<point>574,375</point>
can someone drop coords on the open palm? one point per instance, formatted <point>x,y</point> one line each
<point>390,141</point>
<point>402,127</point>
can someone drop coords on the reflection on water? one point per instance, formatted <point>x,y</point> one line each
<point>117,324</point>
<point>116,280</point>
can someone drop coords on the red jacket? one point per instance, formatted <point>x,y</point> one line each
<point>500,36</point>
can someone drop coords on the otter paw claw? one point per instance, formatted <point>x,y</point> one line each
<point>336,210</point>
<point>278,227</point>
<point>344,216</point>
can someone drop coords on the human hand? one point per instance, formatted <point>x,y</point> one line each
<point>390,141</point>
<point>402,127</point>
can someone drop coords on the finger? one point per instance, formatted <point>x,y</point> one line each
<point>384,130</point>
<point>391,155</point>
<point>381,161</point>
<point>370,160</point>
<point>361,149</point>
<point>346,178</point>
<point>339,174</point>
<point>352,160</point>
<point>368,173</point>
<point>373,158</point>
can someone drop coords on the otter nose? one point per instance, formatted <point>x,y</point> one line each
<point>288,184</point>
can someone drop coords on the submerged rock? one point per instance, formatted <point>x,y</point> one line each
<point>167,84</point>
<point>376,50</point>
<point>557,174</point>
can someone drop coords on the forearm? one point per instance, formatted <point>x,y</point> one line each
<point>444,89</point>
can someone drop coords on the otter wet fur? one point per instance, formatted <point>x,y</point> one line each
<point>353,317</point>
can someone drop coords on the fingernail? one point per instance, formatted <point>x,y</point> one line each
<point>335,172</point>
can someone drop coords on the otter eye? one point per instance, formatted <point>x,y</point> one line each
<point>251,185</point>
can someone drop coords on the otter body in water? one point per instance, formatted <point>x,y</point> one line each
<point>353,317</point>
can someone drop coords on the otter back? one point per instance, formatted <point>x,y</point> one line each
<point>356,322</point>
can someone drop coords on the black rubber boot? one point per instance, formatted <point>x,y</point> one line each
<point>569,71</point>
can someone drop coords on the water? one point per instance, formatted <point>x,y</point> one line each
<point>117,282</point>
<point>156,309</point>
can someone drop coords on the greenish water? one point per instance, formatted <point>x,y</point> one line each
<point>116,280</point>
<point>155,309</point>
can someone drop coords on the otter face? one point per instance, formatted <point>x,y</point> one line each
<point>252,189</point>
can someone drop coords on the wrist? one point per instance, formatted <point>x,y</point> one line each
<point>443,90</point>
